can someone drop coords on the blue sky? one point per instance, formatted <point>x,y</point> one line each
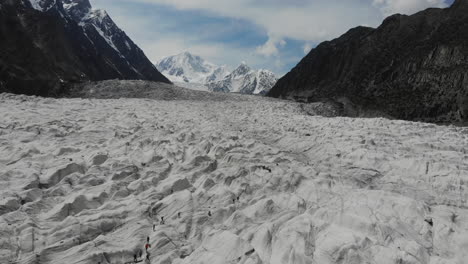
<point>270,34</point>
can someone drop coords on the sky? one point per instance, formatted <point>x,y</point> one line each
<point>268,34</point>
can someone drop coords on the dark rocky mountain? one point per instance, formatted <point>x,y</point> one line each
<point>47,44</point>
<point>411,67</point>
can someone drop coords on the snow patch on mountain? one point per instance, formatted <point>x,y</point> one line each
<point>41,5</point>
<point>36,4</point>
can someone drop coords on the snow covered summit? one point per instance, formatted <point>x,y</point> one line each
<point>188,68</point>
<point>191,71</point>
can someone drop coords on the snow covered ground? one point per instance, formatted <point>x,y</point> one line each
<point>238,179</point>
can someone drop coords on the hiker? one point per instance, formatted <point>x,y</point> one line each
<point>147,246</point>
<point>135,258</point>
<point>162,220</point>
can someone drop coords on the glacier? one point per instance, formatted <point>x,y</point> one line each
<point>225,178</point>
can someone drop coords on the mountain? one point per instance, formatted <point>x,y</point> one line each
<point>194,72</point>
<point>245,80</point>
<point>188,68</point>
<point>411,67</point>
<point>47,44</point>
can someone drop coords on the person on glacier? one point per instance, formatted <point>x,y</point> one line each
<point>147,246</point>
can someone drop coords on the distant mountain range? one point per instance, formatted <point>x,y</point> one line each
<point>411,67</point>
<point>193,72</point>
<point>47,44</point>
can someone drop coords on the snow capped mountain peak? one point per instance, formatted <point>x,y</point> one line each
<point>187,61</point>
<point>193,72</point>
<point>246,81</point>
<point>188,68</point>
<point>241,69</point>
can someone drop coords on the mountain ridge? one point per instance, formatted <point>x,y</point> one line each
<point>410,67</point>
<point>246,81</point>
<point>193,72</point>
<point>62,50</point>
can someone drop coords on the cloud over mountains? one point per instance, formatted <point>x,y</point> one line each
<point>283,28</point>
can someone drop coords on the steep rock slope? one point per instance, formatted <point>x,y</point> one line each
<point>245,80</point>
<point>236,181</point>
<point>48,43</point>
<point>411,67</point>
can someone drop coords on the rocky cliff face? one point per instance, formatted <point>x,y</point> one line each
<point>411,67</point>
<point>49,43</point>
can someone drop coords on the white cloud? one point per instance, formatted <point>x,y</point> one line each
<point>307,47</point>
<point>307,20</point>
<point>270,48</point>
<point>389,7</point>
<point>312,20</point>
